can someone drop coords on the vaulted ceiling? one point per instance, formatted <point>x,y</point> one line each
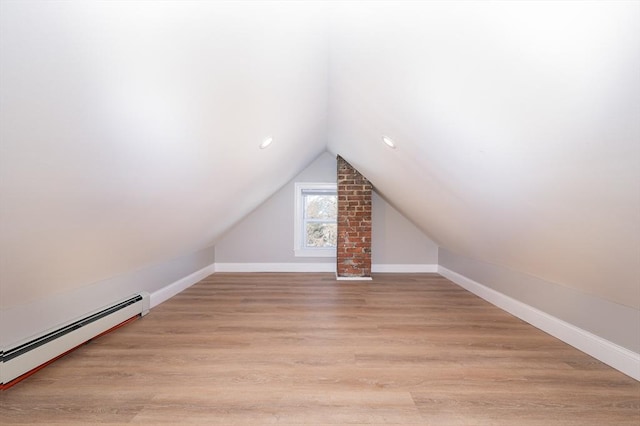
<point>130,130</point>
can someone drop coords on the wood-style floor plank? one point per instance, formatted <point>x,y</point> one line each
<point>306,349</point>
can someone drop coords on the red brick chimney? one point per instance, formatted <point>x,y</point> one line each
<point>354,223</point>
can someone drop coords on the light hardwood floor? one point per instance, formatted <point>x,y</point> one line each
<point>305,349</point>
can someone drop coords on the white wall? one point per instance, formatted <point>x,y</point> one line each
<point>612,321</point>
<point>23,321</point>
<point>266,234</point>
<point>395,240</point>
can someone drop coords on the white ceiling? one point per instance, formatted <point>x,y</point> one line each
<point>130,130</point>
<point>517,125</point>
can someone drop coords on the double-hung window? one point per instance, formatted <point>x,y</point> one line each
<point>316,228</point>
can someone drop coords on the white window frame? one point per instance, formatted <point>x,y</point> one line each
<point>299,248</point>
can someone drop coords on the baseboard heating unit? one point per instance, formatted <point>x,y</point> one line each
<point>25,358</point>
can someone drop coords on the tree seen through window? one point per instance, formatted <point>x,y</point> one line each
<point>320,211</point>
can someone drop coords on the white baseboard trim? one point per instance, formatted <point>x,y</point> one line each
<point>320,267</point>
<point>622,359</point>
<point>167,292</point>
<point>403,268</point>
<point>276,267</point>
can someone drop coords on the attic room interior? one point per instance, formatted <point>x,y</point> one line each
<point>323,212</point>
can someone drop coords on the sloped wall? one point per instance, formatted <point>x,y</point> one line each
<point>23,321</point>
<point>612,321</point>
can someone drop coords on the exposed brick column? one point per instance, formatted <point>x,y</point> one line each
<point>354,223</point>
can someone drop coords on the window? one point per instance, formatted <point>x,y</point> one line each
<point>316,228</point>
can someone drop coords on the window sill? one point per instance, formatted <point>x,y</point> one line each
<point>315,252</point>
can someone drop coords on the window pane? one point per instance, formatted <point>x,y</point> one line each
<point>321,206</point>
<point>321,234</point>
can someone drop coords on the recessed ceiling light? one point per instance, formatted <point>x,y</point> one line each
<point>389,142</point>
<point>266,142</point>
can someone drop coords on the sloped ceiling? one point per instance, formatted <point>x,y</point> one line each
<point>517,127</point>
<point>130,130</point>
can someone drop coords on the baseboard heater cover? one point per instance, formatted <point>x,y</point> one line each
<point>23,358</point>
